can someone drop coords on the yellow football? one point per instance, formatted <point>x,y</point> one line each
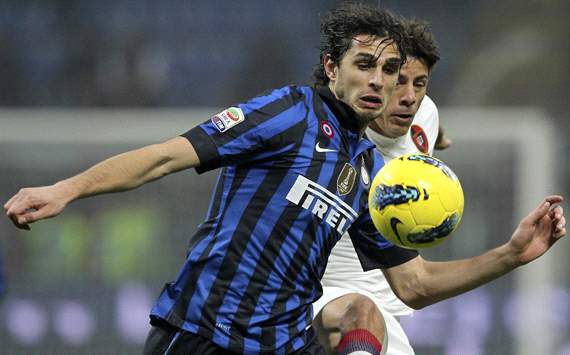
<point>416,201</point>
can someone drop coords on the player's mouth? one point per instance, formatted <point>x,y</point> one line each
<point>370,102</point>
<point>403,118</point>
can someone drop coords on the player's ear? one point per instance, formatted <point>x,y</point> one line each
<point>330,67</point>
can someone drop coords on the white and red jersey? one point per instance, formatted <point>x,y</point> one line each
<point>343,268</point>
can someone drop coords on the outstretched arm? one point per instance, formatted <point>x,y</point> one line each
<point>420,283</point>
<point>119,173</point>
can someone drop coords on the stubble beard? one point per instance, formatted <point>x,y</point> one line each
<point>364,119</point>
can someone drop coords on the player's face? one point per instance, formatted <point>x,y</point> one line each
<point>366,76</point>
<point>405,101</point>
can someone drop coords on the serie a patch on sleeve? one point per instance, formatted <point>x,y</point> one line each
<point>228,118</point>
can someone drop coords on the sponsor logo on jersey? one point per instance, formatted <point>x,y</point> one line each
<point>327,129</point>
<point>345,180</point>
<point>320,149</point>
<point>419,138</point>
<point>228,118</point>
<point>322,203</point>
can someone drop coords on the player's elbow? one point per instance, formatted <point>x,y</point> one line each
<point>413,295</point>
<point>412,291</point>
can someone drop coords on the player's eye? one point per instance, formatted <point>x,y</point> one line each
<point>420,83</point>
<point>365,65</point>
<point>390,69</point>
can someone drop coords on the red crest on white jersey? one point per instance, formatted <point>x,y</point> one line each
<point>419,138</point>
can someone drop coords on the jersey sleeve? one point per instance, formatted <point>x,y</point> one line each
<point>428,118</point>
<point>375,252</point>
<point>257,129</point>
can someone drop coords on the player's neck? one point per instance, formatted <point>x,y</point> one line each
<point>376,128</point>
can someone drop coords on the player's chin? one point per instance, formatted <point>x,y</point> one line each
<point>398,130</point>
<point>367,116</point>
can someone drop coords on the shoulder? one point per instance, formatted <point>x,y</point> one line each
<point>275,102</point>
<point>288,91</point>
<point>428,114</point>
<point>425,128</point>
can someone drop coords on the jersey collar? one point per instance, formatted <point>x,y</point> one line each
<point>344,113</point>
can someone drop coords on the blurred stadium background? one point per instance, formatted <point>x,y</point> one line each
<point>82,80</point>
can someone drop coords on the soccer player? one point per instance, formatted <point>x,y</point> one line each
<point>295,176</point>
<point>357,303</point>
<point>409,124</point>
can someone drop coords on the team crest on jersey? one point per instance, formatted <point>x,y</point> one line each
<point>327,129</point>
<point>228,118</point>
<point>419,138</point>
<point>345,181</point>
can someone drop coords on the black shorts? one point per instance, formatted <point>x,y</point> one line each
<point>165,339</point>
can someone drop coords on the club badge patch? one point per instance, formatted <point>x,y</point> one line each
<point>419,138</point>
<point>327,129</point>
<point>228,118</point>
<point>345,181</point>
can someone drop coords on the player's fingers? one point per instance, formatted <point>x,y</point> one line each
<point>557,212</point>
<point>23,203</point>
<point>14,220</point>
<point>17,209</point>
<point>560,224</point>
<point>558,234</point>
<point>544,208</point>
<point>536,215</point>
<point>554,199</point>
<point>11,202</point>
<point>8,203</point>
<point>32,216</point>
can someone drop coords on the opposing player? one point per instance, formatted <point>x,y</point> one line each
<point>352,299</point>
<point>296,173</point>
<point>409,124</point>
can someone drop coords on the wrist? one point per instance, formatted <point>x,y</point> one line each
<point>511,255</point>
<point>67,190</point>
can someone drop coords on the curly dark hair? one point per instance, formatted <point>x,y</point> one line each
<point>420,42</point>
<point>341,25</point>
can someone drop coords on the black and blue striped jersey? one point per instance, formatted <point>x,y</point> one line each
<point>296,175</point>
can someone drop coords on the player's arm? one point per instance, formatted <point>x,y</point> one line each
<point>420,283</point>
<point>442,141</point>
<point>119,173</point>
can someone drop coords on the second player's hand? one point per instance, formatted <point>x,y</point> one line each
<point>33,204</point>
<point>539,230</point>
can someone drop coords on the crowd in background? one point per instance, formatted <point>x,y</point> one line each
<point>211,53</point>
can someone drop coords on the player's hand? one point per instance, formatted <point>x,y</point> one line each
<point>539,230</point>
<point>442,141</point>
<point>33,204</point>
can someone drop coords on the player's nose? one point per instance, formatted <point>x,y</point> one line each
<point>408,97</point>
<point>376,79</point>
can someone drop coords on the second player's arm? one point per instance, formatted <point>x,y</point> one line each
<point>419,282</point>
<point>119,173</point>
